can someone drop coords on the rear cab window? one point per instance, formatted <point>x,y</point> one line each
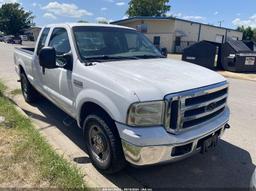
<point>42,39</point>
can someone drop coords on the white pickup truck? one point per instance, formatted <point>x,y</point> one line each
<point>132,103</point>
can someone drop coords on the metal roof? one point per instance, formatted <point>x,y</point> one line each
<point>166,18</point>
<point>238,45</point>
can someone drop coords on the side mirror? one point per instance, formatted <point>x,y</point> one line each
<point>47,58</point>
<point>65,60</point>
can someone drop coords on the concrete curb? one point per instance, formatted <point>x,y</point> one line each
<point>89,181</point>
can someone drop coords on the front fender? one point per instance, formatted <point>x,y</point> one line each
<point>102,100</point>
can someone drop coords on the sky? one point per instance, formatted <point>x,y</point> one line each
<point>231,13</point>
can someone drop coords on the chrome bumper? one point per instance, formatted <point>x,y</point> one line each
<point>153,146</point>
<point>150,155</point>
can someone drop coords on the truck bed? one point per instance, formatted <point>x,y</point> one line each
<point>27,50</point>
<point>23,57</point>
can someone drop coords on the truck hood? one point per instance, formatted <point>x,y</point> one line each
<point>152,79</point>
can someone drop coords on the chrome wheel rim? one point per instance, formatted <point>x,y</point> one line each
<point>98,144</point>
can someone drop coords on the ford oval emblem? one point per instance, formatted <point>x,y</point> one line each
<point>211,106</point>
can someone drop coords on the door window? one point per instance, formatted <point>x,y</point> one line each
<point>59,40</point>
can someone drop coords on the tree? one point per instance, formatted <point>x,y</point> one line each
<point>82,21</point>
<point>248,33</point>
<point>254,34</point>
<point>102,22</point>
<point>14,19</point>
<point>148,8</point>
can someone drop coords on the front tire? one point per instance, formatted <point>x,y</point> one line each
<point>103,144</point>
<point>28,91</point>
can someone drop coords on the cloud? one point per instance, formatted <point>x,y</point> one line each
<point>216,13</point>
<point>102,19</point>
<point>65,9</point>
<point>125,17</point>
<point>110,1</point>
<point>120,3</point>
<point>8,1</point>
<point>186,17</point>
<point>49,16</point>
<point>36,5</point>
<point>193,18</point>
<point>179,15</point>
<point>104,9</point>
<point>250,22</point>
<point>170,14</point>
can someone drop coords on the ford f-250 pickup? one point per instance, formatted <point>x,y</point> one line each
<point>132,103</point>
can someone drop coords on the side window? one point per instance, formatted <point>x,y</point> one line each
<point>59,40</point>
<point>132,40</point>
<point>42,39</point>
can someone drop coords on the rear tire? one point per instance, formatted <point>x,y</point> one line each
<point>28,91</point>
<point>103,144</point>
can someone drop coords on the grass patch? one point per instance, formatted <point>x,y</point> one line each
<point>26,159</point>
<point>16,92</point>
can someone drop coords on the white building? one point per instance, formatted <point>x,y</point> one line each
<point>176,34</point>
<point>33,31</point>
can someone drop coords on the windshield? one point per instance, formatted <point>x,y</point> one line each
<point>110,43</point>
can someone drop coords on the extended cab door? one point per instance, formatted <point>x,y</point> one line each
<point>37,71</point>
<point>58,81</point>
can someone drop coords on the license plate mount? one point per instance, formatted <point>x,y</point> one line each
<point>209,143</point>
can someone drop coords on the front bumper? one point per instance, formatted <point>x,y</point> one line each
<point>148,146</point>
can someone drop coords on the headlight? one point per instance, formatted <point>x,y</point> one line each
<point>146,113</point>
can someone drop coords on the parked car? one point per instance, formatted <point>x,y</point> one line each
<point>10,39</point>
<point>24,37</point>
<point>1,38</point>
<point>253,182</point>
<point>132,103</point>
<point>17,40</point>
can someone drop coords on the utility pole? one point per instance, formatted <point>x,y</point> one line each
<point>220,22</point>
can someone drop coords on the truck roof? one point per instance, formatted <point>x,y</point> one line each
<point>87,24</point>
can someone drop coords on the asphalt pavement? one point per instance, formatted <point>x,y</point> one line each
<point>229,166</point>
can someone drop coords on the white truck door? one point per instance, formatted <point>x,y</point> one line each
<point>58,81</point>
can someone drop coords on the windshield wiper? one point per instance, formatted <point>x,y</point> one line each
<point>100,58</point>
<point>149,56</point>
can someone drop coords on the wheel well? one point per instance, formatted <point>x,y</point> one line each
<point>21,69</point>
<point>89,108</point>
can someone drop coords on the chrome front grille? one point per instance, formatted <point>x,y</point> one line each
<point>190,108</point>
